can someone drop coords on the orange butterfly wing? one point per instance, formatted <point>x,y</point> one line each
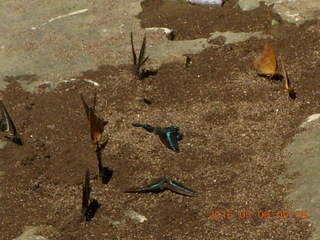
<point>266,62</point>
<point>96,126</point>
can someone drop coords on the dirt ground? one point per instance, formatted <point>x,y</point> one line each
<point>235,125</point>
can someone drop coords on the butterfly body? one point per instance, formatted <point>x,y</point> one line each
<point>7,125</point>
<point>163,184</point>
<point>266,62</point>
<point>169,136</point>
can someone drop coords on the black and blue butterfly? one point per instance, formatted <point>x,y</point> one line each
<point>104,172</point>
<point>139,62</point>
<point>6,125</point>
<point>89,207</point>
<point>163,184</point>
<point>170,136</point>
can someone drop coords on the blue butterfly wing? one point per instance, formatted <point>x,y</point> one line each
<point>157,186</point>
<point>170,139</point>
<point>179,188</point>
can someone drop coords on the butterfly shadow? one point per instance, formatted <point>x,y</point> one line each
<point>91,209</point>
<point>106,175</point>
<point>275,77</point>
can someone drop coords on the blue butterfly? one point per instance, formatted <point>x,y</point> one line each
<point>169,136</point>
<point>163,184</point>
<point>6,125</point>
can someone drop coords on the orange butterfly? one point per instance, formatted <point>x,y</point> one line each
<point>96,123</point>
<point>288,85</point>
<point>266,62</point>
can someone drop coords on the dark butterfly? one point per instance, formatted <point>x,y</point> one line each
<point>96,123</point>
<point>137,63</point>
<point>169,136</point>
<point>104,172</point>
<point>89,207</point>
<point>6,125</point>
<point>163,184</point>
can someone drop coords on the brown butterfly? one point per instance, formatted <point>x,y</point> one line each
<point>96,123</point>
<point>288,85</point>
<point>266,62</point>
<point>6,125</point>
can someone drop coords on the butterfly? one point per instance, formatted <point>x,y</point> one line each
<point>289,87</point>
<point>169,136</point>
<point>6,125</point>
<point>266,62</point>
<point>96,123</point>
<point>89,207</point>
<point>163,184</point>
<point>138,62</point>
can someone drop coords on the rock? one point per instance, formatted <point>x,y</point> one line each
<point>134,216</point>
<point>303,159</point>
<point>233,37</point>
<point>31,233</point>
<point>298,11</point>
<point>295,11</point>
<point>206,2</point>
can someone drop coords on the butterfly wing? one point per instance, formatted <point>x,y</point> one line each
<point>4,123</point>
<point>170,139</point>
<point>179,188</point>
<point>133,51</point>
<point>289,87</point>
<point>99,148</point>
<point>142,60</point>
<point>96,126</point>
<point>147,127</point>
<point>7,125</point>
<point>85,105</point>
<point>266,62</point>
<point>86,191</point>
<point>157,186</point>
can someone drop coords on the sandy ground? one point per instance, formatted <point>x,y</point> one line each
<point>236,126</point>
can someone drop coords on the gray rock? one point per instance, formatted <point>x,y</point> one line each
<point>293,11</point>
<point>31,233</point>
<point>234,37</point>
<point>304,161</point>
<point>135,216</point>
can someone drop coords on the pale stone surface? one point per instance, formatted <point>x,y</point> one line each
<point>293,11</point>
<point>46,44</point>
<point>298,11</point>
<point>31,233</point>
<point>135,216</point>
<point>303,158</point>
<point>234,37</point>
